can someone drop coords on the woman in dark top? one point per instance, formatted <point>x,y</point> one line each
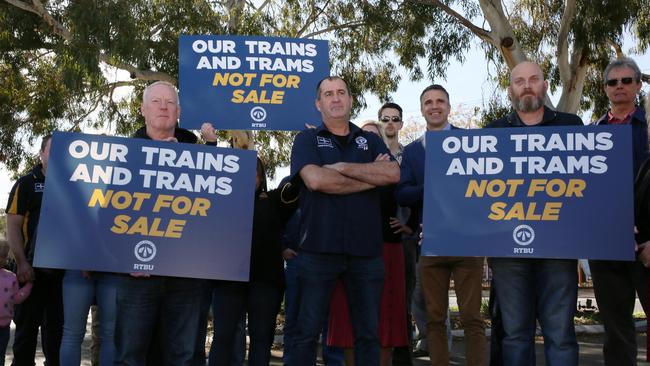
<point>260,298</point>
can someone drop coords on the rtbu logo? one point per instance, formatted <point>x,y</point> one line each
<point>145,251</point>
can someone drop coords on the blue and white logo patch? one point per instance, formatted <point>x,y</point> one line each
<point>362,143</point>
<point>324,142</point>
<point>39,187</point>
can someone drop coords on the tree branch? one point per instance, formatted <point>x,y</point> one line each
<point>22,5</point>
<point>478,31</point>
<point>37,8</point>
<point>617,48</point>
<point>501,32</point>
<point>333,28</point>
<point>563,40</point>
<point>262,6</point>
<point>311,19</point>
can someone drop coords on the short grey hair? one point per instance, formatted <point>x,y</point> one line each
<point>624,62</point>
<point>171,86</point>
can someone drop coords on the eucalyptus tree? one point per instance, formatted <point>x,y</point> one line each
<point>573,40</point>
<point>59,58</point>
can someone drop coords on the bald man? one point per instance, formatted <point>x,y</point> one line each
<point>525,288</point>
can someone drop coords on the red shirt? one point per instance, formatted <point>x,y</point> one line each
<point>616,121</point>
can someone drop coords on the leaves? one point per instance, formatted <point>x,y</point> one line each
<point>56,63</point>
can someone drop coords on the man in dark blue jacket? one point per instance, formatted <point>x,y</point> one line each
<point>435,272</point>
<point>617,282</point>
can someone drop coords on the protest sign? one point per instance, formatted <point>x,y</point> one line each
<point>561,192</point>
<point>135,205</point>
<point>243,83</point>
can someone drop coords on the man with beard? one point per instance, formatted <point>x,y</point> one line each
<point>526,288</point>
<point>435,272</point>
<point>616,283</point>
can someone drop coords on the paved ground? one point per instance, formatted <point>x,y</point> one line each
<point>590,352</point>
<point>590,344</point>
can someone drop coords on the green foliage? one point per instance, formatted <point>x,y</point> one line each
<point>496,108</point>
<point>57,68</point>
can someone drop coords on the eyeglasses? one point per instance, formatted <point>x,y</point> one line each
<point>624,81</point>
<point>387,119</point>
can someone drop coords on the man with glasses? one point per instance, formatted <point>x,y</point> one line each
<point>617,282</point>
<point>390,116</point>
<point>435,272</point>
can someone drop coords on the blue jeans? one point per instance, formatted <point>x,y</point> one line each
<point>78,296</point>
<point>199,350</point>
<point>171,303</point>
<point>363,278</point>
<point>547,288</point>
<point>332,356</point>
<point>232,300</point>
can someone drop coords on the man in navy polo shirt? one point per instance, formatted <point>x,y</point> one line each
<point>339,166</point>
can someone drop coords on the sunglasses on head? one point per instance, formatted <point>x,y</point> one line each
<point>387,119</point>
<point>625,81</point>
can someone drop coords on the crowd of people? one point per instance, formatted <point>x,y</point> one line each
<point>338,239</point>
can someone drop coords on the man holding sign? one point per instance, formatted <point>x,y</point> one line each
<point>435,272</point>
<point>168,305</point>
<point>339,166</point>
<point>528,287</point>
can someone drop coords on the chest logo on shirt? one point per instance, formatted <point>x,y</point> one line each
<point>324,142</point>
<point>39,187</point>
<point>362,143</point>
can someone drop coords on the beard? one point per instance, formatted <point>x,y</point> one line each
<point>528,103</point>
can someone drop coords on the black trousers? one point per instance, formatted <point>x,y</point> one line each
<point>43,308</point>
<point>616,284</point>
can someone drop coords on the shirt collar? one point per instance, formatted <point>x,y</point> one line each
<point>322,129</point>
<point>611,119</point>
<point>637,113</point>
<point>514,120</point>
<point>423,138</point>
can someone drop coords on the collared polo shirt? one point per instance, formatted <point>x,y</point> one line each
<point>333,223</point>
<point>25,200</point>
<point>639,136</point>
<point>612,120</point>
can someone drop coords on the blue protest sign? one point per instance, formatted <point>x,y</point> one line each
<point>562,192</point>
<point>244,83</point>
<point>135,205</point>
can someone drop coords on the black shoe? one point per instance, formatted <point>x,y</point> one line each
<point>420,353</point>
